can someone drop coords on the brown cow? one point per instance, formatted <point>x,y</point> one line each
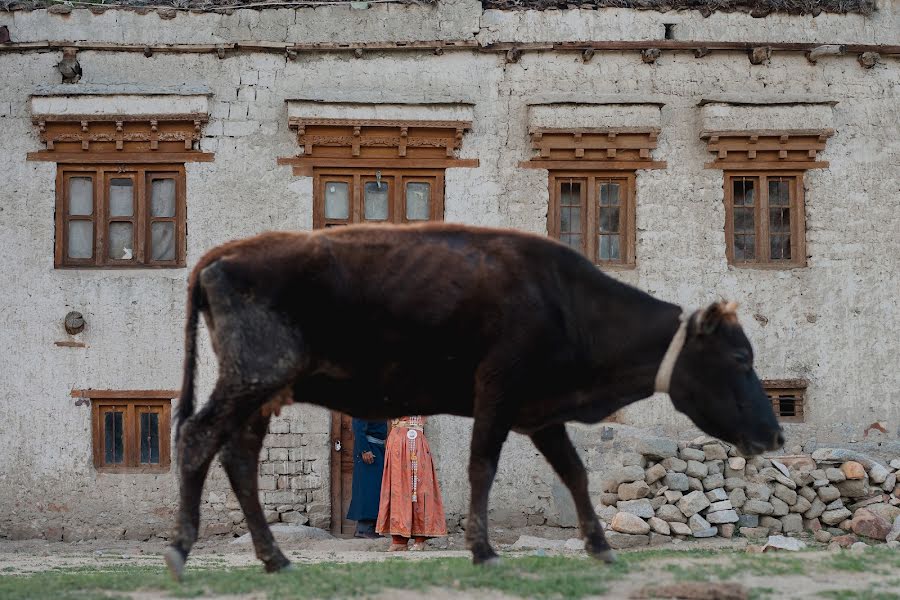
<point>516,330</point>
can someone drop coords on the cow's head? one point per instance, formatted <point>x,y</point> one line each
<point>713,383</point>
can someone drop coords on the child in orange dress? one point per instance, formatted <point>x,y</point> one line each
<point>411,505</point>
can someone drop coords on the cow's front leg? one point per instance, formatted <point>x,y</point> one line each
<point>554,443</point>
<point>487,441</point>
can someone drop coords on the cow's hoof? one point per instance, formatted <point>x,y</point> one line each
<point>175,560</point>
<point>493,561</point>
<point>487,560</point>
<point>607,556</point>
<point>279,566</point>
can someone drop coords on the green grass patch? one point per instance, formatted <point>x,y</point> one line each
<point>735,564</point>
<point>527,577</point>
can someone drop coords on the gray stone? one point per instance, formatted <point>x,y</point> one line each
<point>609,498</point>
<point>657,502</point>
<point>792,523</point>
<point>639,508</point>
<point>835,505</point>
<point>715,451</point>
<point>619,540</point>
<point>696,469</point>
<point>714,481</point>
<point>670,513</point>
<point>679,528</point>
<point>779,507</point>
<point>748,521</point>
<point>657,448</point>
<point>833,517</point>
<point>715,466</point>
<point>700,527</point>
<point>655,473</point>
<point>716,495</point>
<point>657,539</point>
<point>839,455</point>
<point>625,522</point>
<point>894,545</point>
<point>801,506</point>
<point>859,547</point>
<point>808,493</point>
<point>723,516</point>
<point>894,534</point>
<point>659,526</point>
<point>757,507</point>
<point>695,484</point>
<point>781,468</point>
<point>690,454</point>
<point>606,513</point>
<point>780,542</point>
<point>737,463</point>
<point>675,465</point>
<point>633,491</point>
<point>816,510</point>
<point>693,503</point>
<point>672,496</point>
<point>677,482</point>
<point>627,475</point>
<point>854,488</point>
<point>758,491</point>
<point>770,523</point>
<point>530,542</point>
<point>889,483</point>
<point>754,532</point>
<point>834,475</point>
<point>733,483</point>
<point>737,497</point>
<point>633,458</point>
<point>721,505</point>
<point>878,473</point>
<point>895,464</point>
<point>818,474</point>
<point>822,536</point>
<point>829,493</point>
<point>801,478</point>
<point>786,494</point>
<point>286,533</point>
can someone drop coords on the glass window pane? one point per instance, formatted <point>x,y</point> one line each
<point>743,220</point>
<point>744,247</point>
<point>743,191</point>
<point>779,192</point>
<point>609,220</point>
<point>121,198</point>
<point>418,197</point>
<point>780,220</point>
<point>121,241</point>
<point>81,196</point>
<point>780,247</point>
<point>162,240</point>
<point>162,198</point>
<point>114,444</point>
<point>609,247</point>
<point>150,438</point>
<point>609,194</point>
<point>570,194</point>
<point>376,201</point>
<point>80,239</point>
<point>337,200</point>
<point>570,219</point>
<point>573,240</point>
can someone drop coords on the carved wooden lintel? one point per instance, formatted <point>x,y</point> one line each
<point>621,144</point>
<point>787,149</point>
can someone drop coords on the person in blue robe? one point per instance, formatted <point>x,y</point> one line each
<point>368,466</point>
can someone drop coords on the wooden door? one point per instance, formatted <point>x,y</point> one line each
<point>341,474</point>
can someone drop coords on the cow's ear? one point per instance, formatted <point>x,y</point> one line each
<point>714,315</point>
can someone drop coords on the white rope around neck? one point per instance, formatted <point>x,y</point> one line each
<point>664,373</point>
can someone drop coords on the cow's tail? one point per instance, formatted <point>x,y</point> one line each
<point>194,306</point>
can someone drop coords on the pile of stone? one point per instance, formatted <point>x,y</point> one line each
<point>703,489</point>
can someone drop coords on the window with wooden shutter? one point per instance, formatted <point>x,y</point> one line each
<point>788,397</point>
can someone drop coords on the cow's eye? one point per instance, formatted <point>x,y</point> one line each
<point>741,357</point>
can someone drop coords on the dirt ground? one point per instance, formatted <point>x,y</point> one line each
<point>703,569</point>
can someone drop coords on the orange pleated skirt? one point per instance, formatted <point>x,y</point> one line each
<point>397,513</point>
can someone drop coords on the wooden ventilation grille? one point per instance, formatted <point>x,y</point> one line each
<point>120,138</point>
<point>767,150</point>
<point>377,143</point>
<point>589,148</point>
<point>788,399</point>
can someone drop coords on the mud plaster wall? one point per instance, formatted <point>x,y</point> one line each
<point>834,323</point>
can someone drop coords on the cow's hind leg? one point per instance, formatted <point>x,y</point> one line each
<point>200,438</point>
<point>240,458</point>
<point>487,442</point>
<point>554,443</point>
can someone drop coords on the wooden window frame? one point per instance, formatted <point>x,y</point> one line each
<point>356,178</point>
<point>798,220</point>
<point>101,174</point>
<point>590,220</point>
<point>795,387</point>
<point>132,403</point>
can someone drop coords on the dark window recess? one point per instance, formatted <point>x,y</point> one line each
<point>114,433</point>
<point>150,438</point>
<point>788,399</point>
